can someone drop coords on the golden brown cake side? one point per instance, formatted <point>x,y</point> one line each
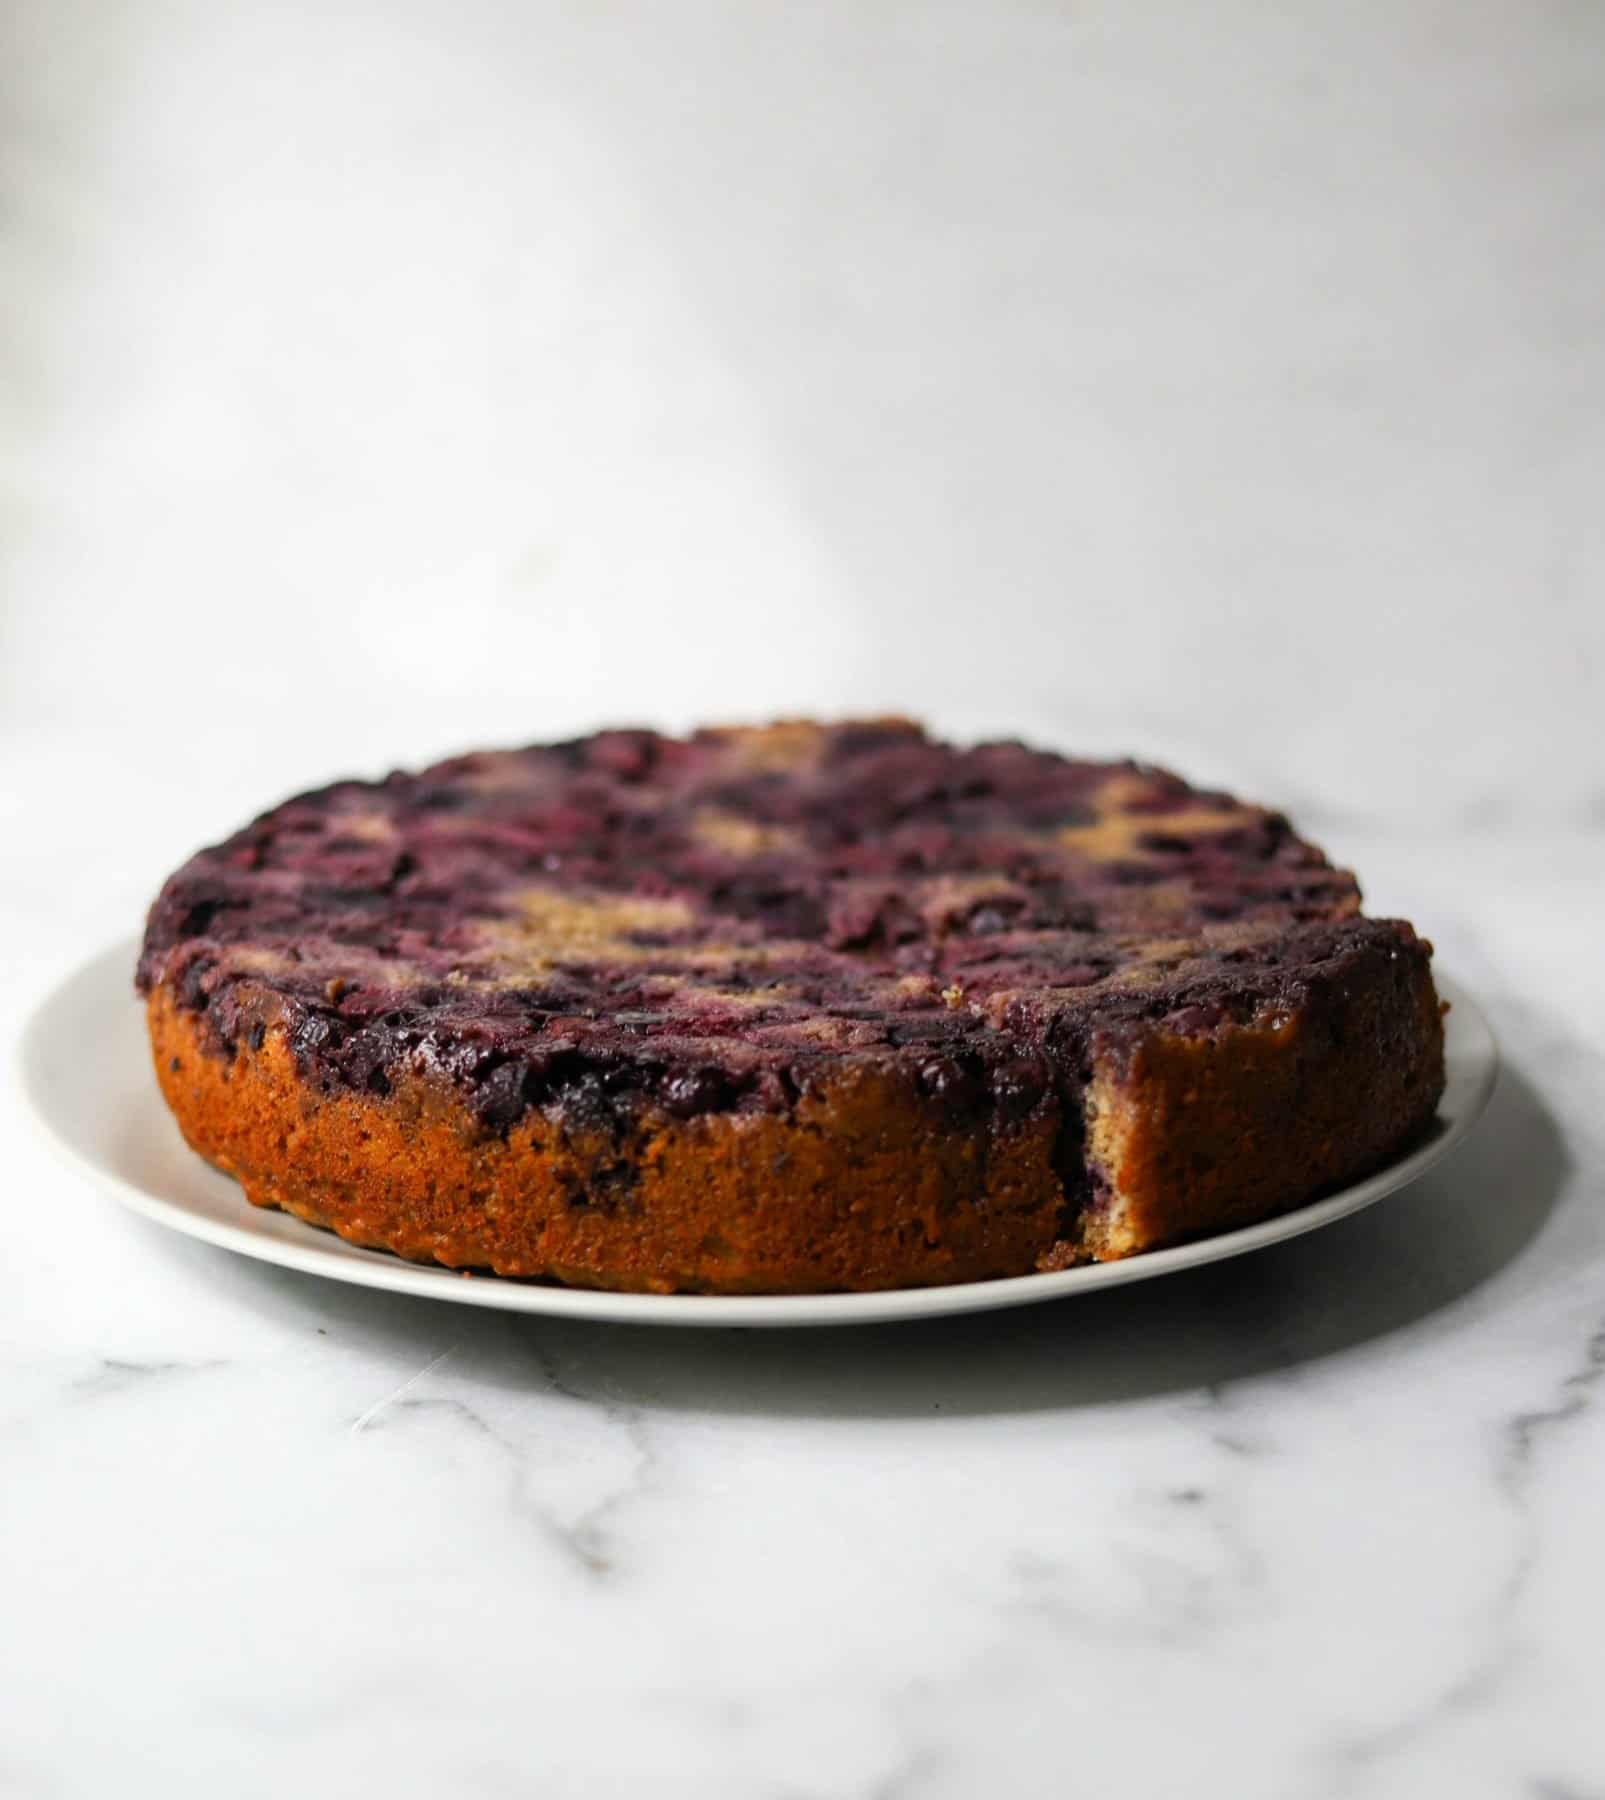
<point>866,1182</point>
<point>865,1185</point>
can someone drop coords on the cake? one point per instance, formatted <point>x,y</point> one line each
<point>782,1009</point>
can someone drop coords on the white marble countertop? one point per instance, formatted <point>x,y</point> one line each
<point>1219,384</point>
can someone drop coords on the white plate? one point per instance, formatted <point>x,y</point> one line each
<point>86,1068</point>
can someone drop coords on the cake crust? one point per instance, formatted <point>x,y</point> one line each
<point>783,1009</point>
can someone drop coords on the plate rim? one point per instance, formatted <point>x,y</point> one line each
<point>1470,1039</point>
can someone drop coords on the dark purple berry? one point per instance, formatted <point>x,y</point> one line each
<point>694,1091</point>
<point>955,1084</point>
<point>1018,1084</point>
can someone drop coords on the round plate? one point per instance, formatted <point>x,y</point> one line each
<point>85,1066</point>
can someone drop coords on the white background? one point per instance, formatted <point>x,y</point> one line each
<point>1224,384</point>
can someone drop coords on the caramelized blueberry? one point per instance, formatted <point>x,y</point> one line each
<point>696,1091</point>
<point>1018,1084</point>
<point>952,1082</point>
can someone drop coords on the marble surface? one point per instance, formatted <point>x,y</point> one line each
<point>1222,384</point>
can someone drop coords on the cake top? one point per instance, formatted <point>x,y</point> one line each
<point>710,922</point>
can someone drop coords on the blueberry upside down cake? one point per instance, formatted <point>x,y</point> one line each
<point>782,1009</point>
